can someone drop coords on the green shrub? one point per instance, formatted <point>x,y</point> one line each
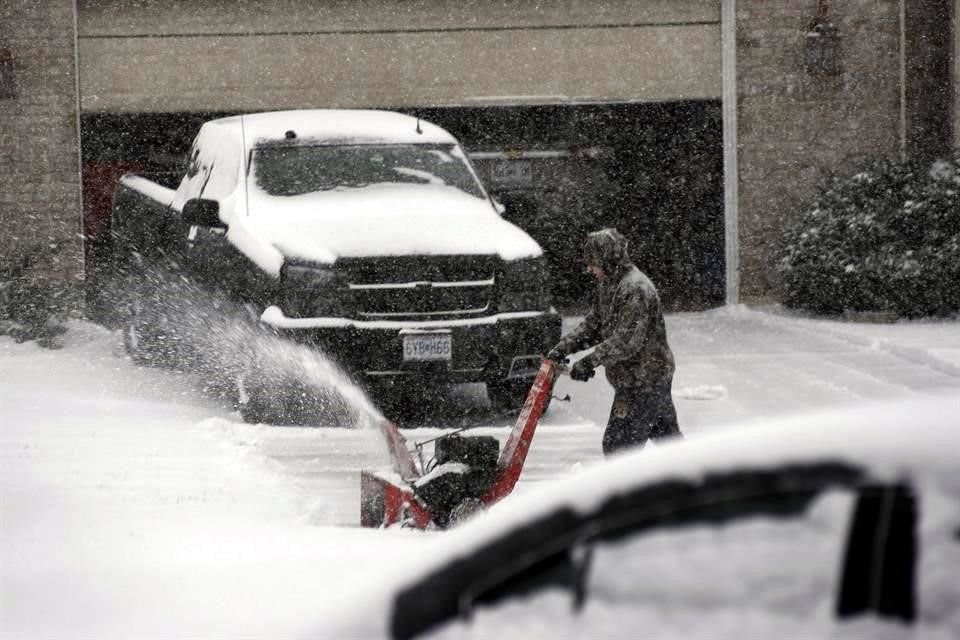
<point>885,239</point>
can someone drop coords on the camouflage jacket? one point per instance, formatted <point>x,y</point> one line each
<point>626,324</point>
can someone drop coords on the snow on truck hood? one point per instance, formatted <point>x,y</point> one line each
<point>384,220</point>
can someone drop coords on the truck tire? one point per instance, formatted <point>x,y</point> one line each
<point>408,404</point>
<point>257,405</point>
<point>149,335</point>
<point>141,339</point>
<point>287,401</point>
<point>510,394</point>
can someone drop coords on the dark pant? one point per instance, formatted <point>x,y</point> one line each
<point>637,415</point>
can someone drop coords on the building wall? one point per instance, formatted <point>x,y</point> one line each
<point>956,72</point>
<point>795,127</point>
<point>243,55</point>
<point>39,162</point>
<point>929,90</point>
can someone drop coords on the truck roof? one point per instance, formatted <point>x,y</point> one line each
<point>364,126</point>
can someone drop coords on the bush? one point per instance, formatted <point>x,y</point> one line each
<point>885,239</point>
<point>33,303</point>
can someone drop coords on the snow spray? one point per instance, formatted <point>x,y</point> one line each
<point>236,355</point>
<point>252,356</point>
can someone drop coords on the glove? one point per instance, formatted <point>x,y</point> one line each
<point>557,355</point>
<point>583,370</point>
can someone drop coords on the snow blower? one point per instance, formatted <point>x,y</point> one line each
<point>465,475</point>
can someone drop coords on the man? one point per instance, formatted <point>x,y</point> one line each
<point>626,325</point>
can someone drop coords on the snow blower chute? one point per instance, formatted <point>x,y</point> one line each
<point>466,475</point>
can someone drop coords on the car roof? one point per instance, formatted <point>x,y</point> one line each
<point>334,126</point>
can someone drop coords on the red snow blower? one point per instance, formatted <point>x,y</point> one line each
<point>465,474</point>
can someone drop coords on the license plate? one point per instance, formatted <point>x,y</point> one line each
<point>427,346</point>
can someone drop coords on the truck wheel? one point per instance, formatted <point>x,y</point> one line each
<point>263,401</point>
<point>509,395</point>
<point>287,401</point>
<point>255,404</point>
<point>141,341</point>
<point>408,404</point>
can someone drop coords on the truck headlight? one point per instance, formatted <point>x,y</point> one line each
<point>309,292</point>
<point>524,285</point>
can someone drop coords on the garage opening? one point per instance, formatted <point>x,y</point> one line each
<point>654,170</point>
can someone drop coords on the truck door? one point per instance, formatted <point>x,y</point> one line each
<point>210,255</point>
<point>205,251</point>
<point>196,176</point>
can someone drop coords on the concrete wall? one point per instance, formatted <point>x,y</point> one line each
<point>929,90</point>
<point>795,127</point>
<point>39,165</point>
<point>232,55</point>
<point>956,72</point>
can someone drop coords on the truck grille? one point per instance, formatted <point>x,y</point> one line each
<point>419,287</point>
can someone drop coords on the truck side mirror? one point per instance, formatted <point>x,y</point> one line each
<point>202,212</point>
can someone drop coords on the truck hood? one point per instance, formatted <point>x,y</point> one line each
<point>385,220</point>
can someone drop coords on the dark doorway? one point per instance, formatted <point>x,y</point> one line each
<point>654,170</point>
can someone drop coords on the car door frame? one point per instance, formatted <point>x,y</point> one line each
<point>555,549</point>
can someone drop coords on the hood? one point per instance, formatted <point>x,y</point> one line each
<point>607,249</point>
<point>385,220</point>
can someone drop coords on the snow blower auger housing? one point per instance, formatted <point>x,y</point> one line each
<point>466,475</point>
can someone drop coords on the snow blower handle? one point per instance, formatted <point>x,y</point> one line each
<point>561,363</point>
<point>561,366</point>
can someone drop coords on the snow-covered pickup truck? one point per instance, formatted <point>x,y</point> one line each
<point>366,233</point>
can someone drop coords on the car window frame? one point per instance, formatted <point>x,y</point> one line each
<point>632,512</point>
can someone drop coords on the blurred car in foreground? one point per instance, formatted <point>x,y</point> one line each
<point>833,525</point>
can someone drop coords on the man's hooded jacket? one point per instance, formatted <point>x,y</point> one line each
<point>625,320</point>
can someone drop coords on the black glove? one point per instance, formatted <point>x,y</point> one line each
<point>582,370</point>
<point>557,355</point>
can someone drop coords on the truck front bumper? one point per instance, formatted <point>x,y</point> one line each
<point>489,348</point>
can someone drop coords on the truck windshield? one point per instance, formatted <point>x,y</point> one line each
<point>297,169</point>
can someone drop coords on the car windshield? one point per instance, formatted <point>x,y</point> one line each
<point>294,170</point>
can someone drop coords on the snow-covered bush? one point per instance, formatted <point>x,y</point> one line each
<point>33,301</point>
<point>885,239</point>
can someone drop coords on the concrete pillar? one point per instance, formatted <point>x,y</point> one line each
<point>956,72</point>
<point>39,139</point>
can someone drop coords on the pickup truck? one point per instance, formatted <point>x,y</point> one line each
<point>365,233</point>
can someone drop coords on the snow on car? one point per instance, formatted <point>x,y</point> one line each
<point>818,526</point>
<point>134,503</point>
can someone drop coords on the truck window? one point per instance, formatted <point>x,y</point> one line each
<point>224,173</point>
<point>285,170</point>
<point>193,161</point>
<point>196,174</point>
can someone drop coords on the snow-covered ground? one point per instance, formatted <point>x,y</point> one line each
<point>133,505</point>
